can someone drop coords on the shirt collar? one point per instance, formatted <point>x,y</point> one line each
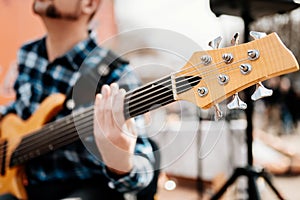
<point>81,50</point>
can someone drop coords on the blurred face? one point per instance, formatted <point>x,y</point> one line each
<point>58,9</point>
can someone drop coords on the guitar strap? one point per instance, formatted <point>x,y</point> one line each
<point>93,76</point>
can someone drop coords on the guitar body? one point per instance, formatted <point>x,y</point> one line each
<point>12,130</point>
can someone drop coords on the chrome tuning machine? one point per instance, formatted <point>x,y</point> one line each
<point>236,103</point>
<point>261,92</point>
<point>218,112</point>
<point>257,35</point>
<point>215,45</point>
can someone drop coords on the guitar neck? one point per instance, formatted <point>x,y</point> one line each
<point>156,94</point>
<point>148,97</point>
<point>80,123</point>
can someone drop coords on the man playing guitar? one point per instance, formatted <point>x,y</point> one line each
<point>51,65</point>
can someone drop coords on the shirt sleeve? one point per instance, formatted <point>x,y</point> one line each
<point>139,177</point>
<point>22,106</point>
<point>5,109</point>
<point>11,106</point>
<point>144,160</point>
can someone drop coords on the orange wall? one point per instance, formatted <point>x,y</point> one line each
<point>18,24</point>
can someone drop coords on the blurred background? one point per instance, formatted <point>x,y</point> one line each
<point>158,37</point>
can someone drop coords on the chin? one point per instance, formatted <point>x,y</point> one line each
<point>40,7</point>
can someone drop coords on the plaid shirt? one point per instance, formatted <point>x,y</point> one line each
<point>38,79</point>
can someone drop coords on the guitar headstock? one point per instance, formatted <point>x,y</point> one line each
<point>220,73</point>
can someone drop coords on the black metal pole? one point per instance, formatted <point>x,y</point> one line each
<point>252,190</point>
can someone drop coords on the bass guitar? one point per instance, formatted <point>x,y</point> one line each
<point>206,79</point>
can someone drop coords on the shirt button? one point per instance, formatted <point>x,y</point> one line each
<point>103,70</point>
<point>111,185</point>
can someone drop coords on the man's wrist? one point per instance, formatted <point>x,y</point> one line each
<point>116,174</point>
<point>123,169</point>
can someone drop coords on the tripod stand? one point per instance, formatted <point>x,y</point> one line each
<point>249,171</point>
<point>243,8</point>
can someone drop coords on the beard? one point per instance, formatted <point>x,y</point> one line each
<point>48,9</point>
<point>52,12</point>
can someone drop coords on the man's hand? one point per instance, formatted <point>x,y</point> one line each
<point>115,137</point>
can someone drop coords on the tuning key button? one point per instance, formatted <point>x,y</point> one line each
<point>257,35</point>
<point>253,54</point>
<point>215,43</point>
<point>236,103</point>
<point>202,91</point>
<point>223,79</point>
<point>245,68</point>
<point>261,92</point>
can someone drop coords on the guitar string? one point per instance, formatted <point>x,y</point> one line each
<point>65,132</point>
<point>54,138</point>
<point>155,101</point>
<point>191,72</point>
<point>65,140</point>
<point>170,85</point>
<point>203,73</point>
<point>70,135</point>
<point>147,94</point>
<point>155,91</point>
<point>47,133</point>
<point>50,127</point>
<point>202,69</point>
<point>60,125</point>
<point>31,144</point>
<point>50,135</point>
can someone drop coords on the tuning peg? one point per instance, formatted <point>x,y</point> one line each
<point>257,35</point>
<point>261,92</point>
<point>215,43</point>
<point>235,39</point>
<point>218,112</point>
<point>236,103</point>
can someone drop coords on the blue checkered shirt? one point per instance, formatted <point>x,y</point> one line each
<point>38,79</point>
